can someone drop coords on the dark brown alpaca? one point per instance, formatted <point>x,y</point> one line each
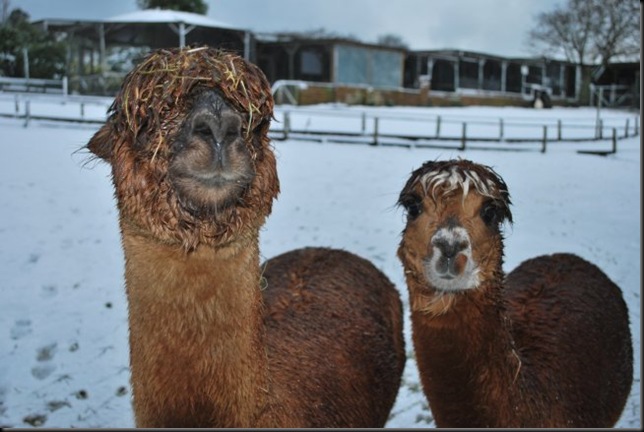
<point>547,346</point>
<point>313,338</point>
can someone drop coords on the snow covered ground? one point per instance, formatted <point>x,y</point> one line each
<point>63,314</point>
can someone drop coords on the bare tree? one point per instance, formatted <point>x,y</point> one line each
<point>194,6</point>
<point>617,32</point>
<point>392,40</point>
<point>588,31</point>
<point>319,33</point>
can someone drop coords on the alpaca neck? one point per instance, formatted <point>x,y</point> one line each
<point>471,371</point>
<point>196,334</point>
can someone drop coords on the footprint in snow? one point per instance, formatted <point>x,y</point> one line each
<point>44,356</point>
<point>20,329</point>
<point>48,291</point>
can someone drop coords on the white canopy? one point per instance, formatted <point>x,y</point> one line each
<point>168,17</point>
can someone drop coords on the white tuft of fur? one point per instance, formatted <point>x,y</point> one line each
<point>453,179</point>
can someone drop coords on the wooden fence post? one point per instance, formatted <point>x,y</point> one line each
<point>65,85</point>
<point>559,130</point>
<point>364,122</point>
<point>27,112</point>
<point>287,124</point>
<point>463,136</point>
<point>545,139</point>
<point>438,126</point>
<point>626,129</point>
<point>500,129</point>
<point>375,131</point>
<point>636,128</point>
<point>614,149</point>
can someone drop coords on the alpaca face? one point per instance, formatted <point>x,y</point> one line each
<point>211,166</point>
<point>187,138</point>
<point>452,241</point>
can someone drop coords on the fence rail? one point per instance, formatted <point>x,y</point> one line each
<point>403,127</point>
<point>613,95</point>
<point>37,85</point>
<point>438,131</point>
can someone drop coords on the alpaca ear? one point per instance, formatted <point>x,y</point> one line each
<point>101,143</point>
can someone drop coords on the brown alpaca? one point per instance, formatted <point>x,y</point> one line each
<point>313,338</point>
<point>547,346</point>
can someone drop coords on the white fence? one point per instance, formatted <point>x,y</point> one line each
<point>402,126</point>
<point>613,95</point>
<point>34,85</point>
<point>47,107</point>
<point>412,129</point>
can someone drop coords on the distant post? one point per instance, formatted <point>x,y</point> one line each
<point>287,124</point>
<point>545,139</point>
<point>25,55</point>
<point>65,84</point>
<point>463,136</point>
<point>375,131</point>
<point>636,128</point>
<point>597,92</point>
<point>27,112</point>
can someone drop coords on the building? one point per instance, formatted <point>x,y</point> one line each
<point>332,60</point>
<point>616,85</point>
<point>311,69</point>
<point>473,75</point>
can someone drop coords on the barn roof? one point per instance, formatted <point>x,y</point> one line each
<point>168,16</point>
<point>156,28</point>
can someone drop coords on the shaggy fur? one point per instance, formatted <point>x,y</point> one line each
<point>312,338</point>
<point>547,346</point>
<point>147,115</point>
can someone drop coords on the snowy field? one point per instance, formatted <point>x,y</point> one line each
<point>63,313</point>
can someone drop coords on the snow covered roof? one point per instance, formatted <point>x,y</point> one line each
<point>154,28</point>
<point>168,16</point>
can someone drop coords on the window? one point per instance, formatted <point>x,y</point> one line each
<point>310,63</point>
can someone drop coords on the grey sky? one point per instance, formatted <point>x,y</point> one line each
<point>491,26</point>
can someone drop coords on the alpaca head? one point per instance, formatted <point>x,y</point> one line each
<point>187,138</point>
<point>452,242</point>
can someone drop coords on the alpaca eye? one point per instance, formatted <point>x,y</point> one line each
<point>413,206</point>
<point>490,213</point>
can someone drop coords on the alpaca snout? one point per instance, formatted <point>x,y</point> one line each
<point>206,129</point>
<point>451,266</point>
<point>449,244</point>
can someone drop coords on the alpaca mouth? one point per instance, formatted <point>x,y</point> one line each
<point>218,179</point>
<point>447,281</point>
<point>210,193</point>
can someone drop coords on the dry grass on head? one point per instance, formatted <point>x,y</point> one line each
<point>153,93</point>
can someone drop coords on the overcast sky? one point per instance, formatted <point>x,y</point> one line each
<point>491,26</point>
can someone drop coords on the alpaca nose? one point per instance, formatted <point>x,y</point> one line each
<point>206,127</point>
<point>449,249</point>
<point>450,245</point>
